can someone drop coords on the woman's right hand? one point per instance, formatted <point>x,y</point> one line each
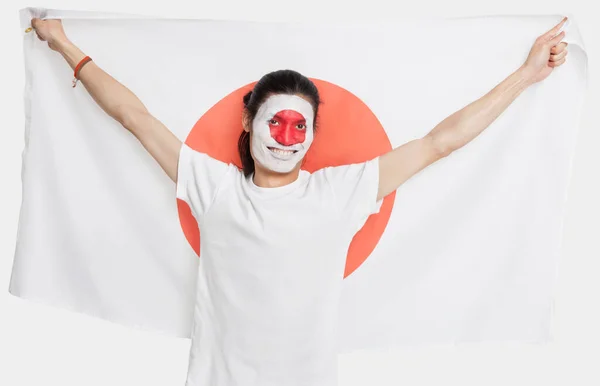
<point>51,31</point>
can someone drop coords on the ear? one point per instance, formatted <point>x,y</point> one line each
<point>246,121</point>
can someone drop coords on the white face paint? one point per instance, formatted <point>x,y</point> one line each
<point>282,132</point>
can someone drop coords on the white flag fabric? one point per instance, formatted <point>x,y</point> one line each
<point>466,250</point>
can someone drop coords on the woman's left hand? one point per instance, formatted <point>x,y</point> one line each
<point>547,53</point>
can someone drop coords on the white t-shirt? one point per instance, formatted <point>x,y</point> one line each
<point>271,268</point>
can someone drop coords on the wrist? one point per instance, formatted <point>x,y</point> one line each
<point>526,74</point>
<point>63,45</point>
<point>70,52</point>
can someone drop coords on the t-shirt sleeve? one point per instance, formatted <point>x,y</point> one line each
<point>355,189</point>
<point>198,179</point>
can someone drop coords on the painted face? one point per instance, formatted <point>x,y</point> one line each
<point>282,132</point>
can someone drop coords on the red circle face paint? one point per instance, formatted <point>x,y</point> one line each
<point>288,127</point>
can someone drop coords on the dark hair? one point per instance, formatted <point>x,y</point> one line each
<point>276,82</point>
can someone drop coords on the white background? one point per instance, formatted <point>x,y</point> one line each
<point>40,345</point>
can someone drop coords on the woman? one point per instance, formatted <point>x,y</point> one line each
<point>275,237</point>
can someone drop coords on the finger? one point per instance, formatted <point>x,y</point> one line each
<point>555,29</point>
<point>555,40</point>
<point>35,22</point>
<point>557,57</point>
<point>556,64</point>
<point>557,49</point>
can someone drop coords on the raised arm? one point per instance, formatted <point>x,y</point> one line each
<point>115,99</point>
<point>460,128</point>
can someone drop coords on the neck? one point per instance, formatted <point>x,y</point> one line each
<point>269,179</point>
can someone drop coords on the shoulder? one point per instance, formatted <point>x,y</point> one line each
<point>353,188</point>
<point>200,178</point>
<point>348,174</point>
<point>199,161</point>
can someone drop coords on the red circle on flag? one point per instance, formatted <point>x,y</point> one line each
<point>348,132</point>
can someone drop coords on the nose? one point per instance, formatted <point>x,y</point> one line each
<point>286,136</point>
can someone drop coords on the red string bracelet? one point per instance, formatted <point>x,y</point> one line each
<point>81,63</point>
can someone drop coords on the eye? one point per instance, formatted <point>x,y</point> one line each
<point>301,126</point>
<point>273,122</point>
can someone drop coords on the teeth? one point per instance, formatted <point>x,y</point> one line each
<point>282,152</point>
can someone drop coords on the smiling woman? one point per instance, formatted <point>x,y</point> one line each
<point>274,242</point>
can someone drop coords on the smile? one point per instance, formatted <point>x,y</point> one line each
<point>281,151</point>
